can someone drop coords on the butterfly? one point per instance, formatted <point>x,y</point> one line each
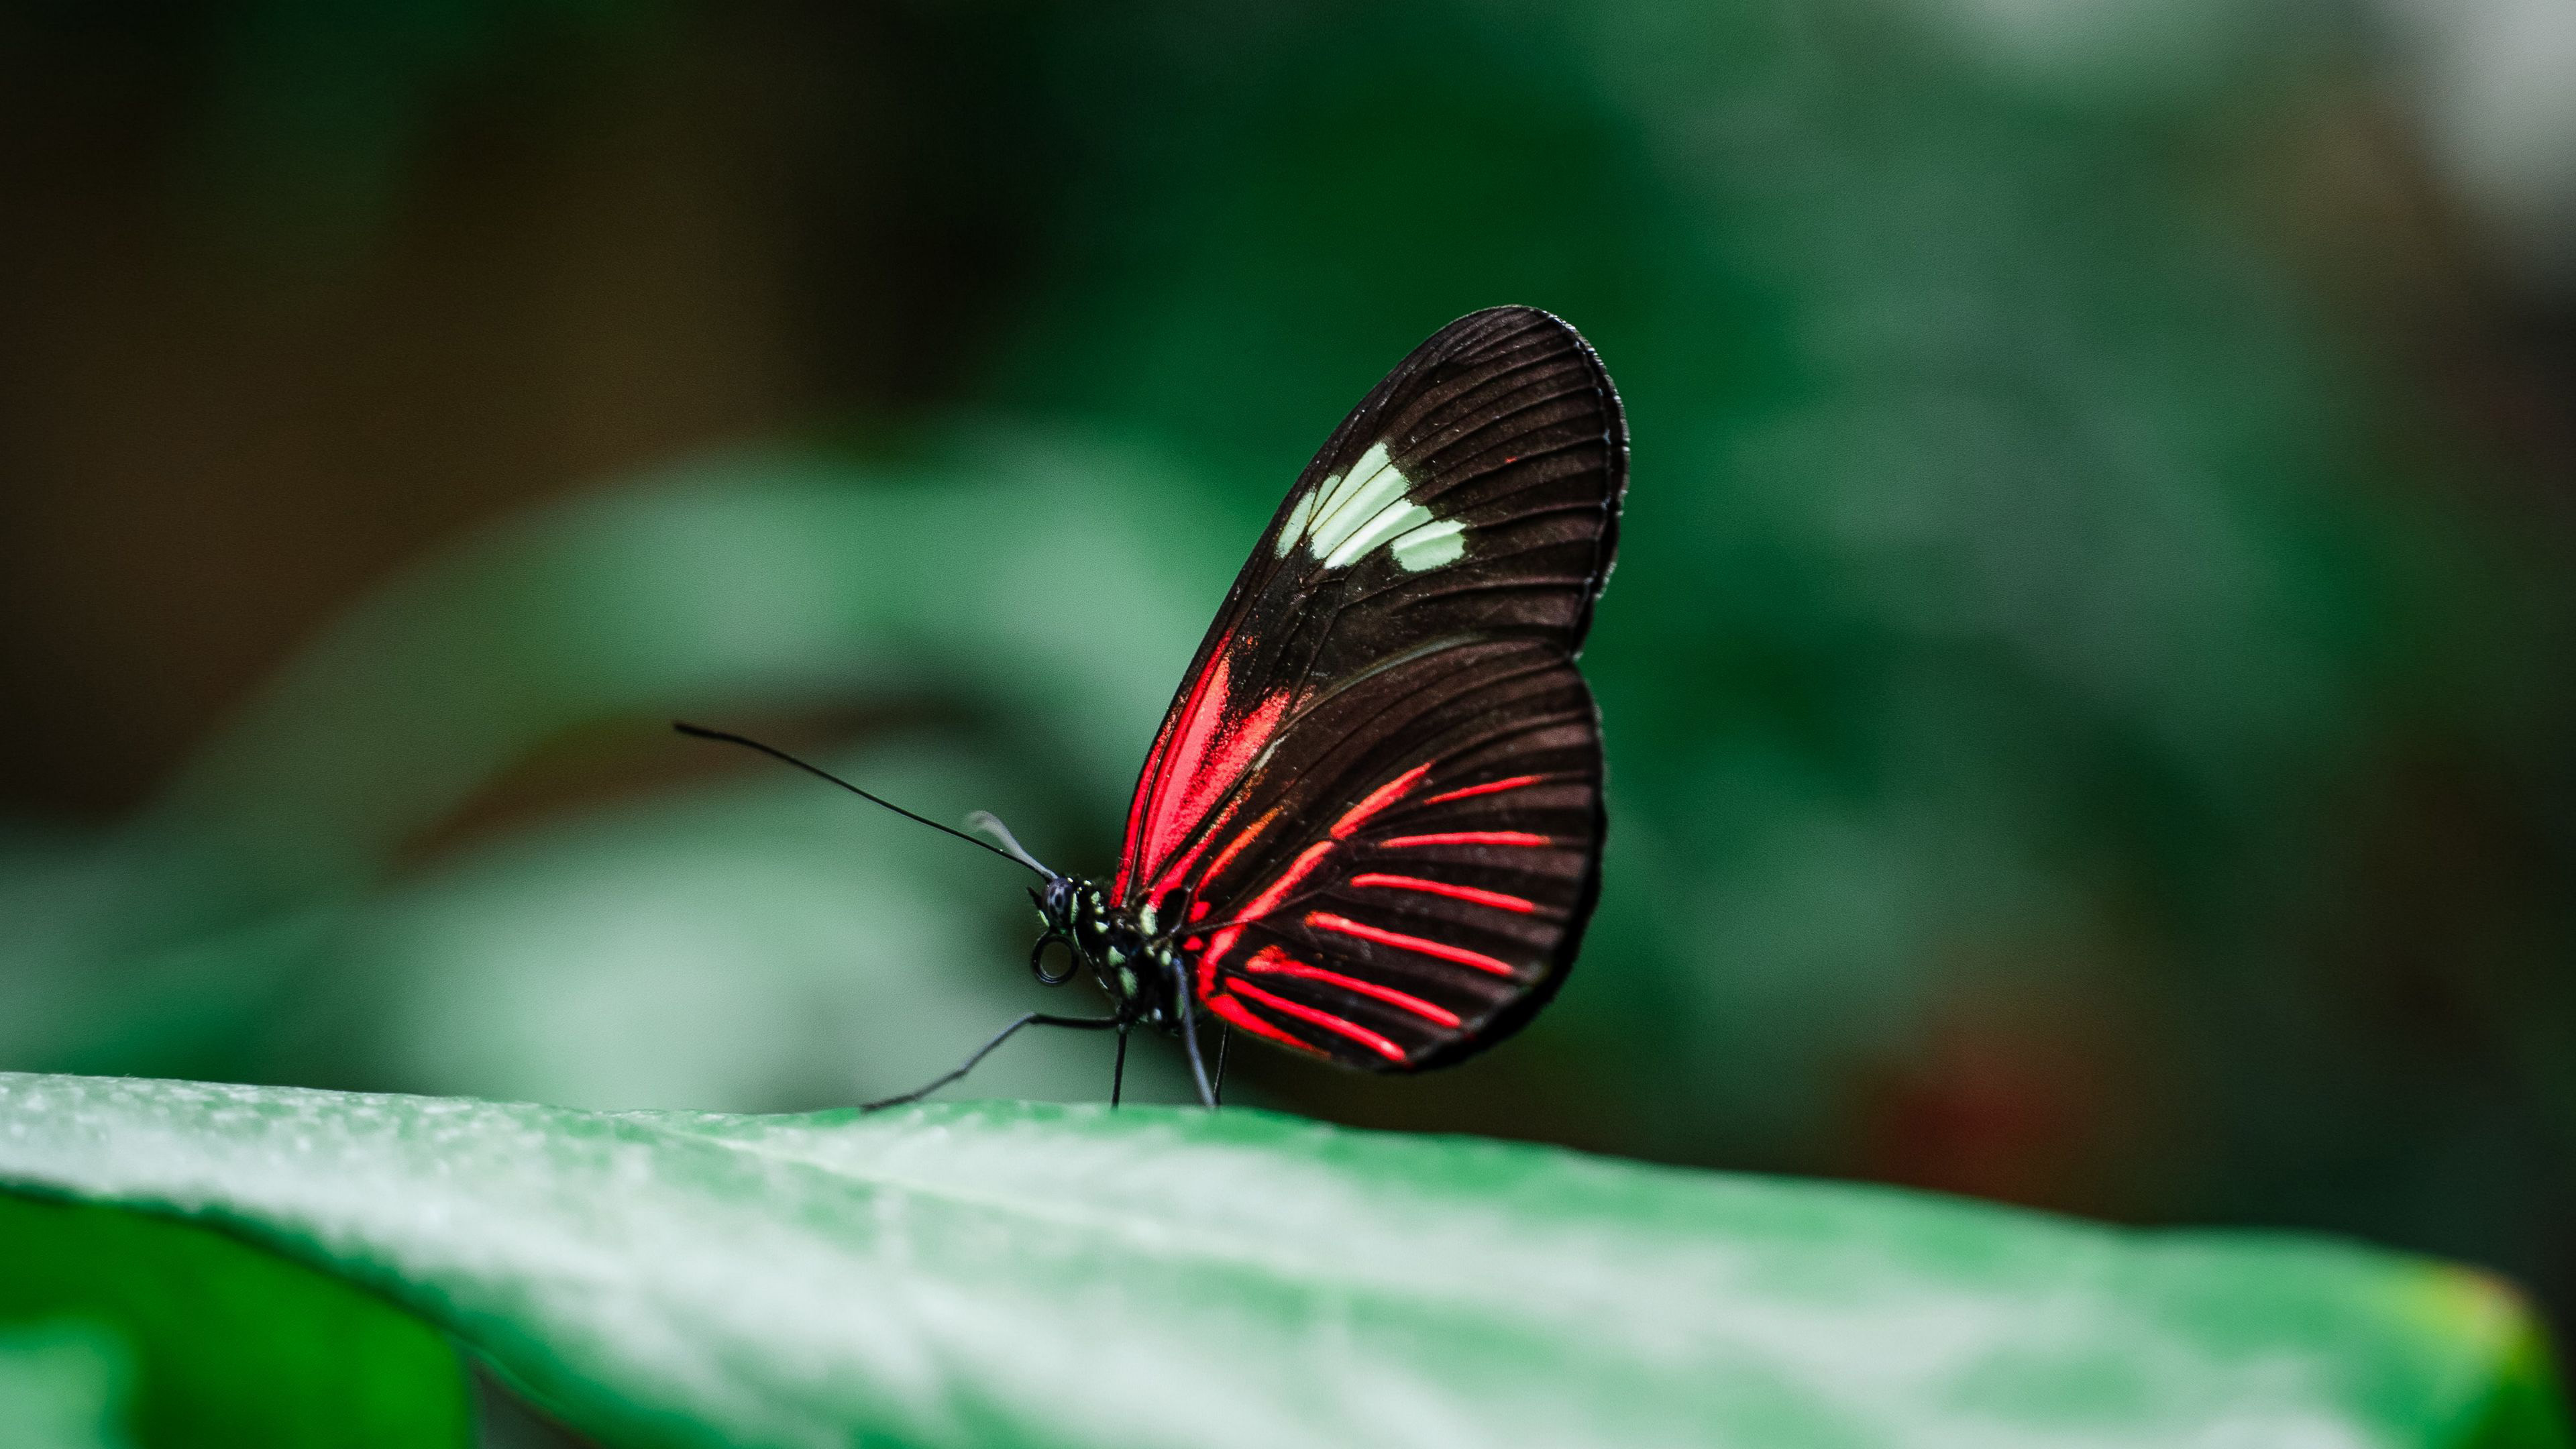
<point>1369,827</point>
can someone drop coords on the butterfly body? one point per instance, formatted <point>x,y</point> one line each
<point>1140,972</point>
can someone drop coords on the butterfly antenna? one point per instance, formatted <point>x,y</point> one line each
<point>991,824</point>
<point>1014,854</point>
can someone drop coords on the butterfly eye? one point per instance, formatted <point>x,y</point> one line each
<point>1037,960</point>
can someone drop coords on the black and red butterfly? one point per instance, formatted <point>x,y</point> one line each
<point>1370,825</point>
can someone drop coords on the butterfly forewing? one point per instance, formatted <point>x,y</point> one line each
<point>1372,815</point>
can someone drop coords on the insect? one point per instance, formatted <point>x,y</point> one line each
<point>1369,828</point>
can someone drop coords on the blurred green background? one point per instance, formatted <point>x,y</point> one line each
<point>2087,685</point>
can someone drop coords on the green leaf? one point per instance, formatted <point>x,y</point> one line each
<point>991,1274</point>
<point>63,1385</point>
<point>117,1329</point>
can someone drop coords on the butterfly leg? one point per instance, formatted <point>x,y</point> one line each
<point>1118,1070</point>
<point>1190,1039</point>
<point>1034,1018</point>
<point>1224,1039</point>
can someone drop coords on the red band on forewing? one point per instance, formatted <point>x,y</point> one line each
<point>1377,800</point>
<point>1224,762</point>
<point>1192,768</point>
<point>1472,837</point>
<point>1275,961</point>
<point>1179,866</point>
<point>1325,1019</point>
<point>1491,787</point>
<point>1233,1011</point>
<point>1149,786</point>
<point>1326,921</point>
<point>1469,894</point>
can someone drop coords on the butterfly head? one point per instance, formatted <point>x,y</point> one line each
<point>1113,944</point>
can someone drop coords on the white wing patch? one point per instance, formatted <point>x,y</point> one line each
<point>1431,545</point>
<point>1344,517</point>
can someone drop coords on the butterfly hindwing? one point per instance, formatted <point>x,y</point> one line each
<point>1374,805</point>
<point>1440,865</point>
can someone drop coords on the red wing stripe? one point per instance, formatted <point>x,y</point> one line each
<point>1228,755</point>
<point>1469,894</point>
<point>1179,866</point>
<point>1236,847</point>
<point>1298,869</point>
<point>1222,941</point>
<point>1272,959</point>
<point>1472,837</point>
<point>1233,1011</point>
<point>1211,745</point>
<point>1149,787</point>
<point>1326,921</point>
<point>1377,800</point>
<point>1324,1019</point>
<point>1491,787</point>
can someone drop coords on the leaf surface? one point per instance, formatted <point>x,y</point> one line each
<point>999,1273</point>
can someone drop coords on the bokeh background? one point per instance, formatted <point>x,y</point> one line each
<point>2087,684</point>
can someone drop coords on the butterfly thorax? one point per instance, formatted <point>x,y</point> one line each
<point>1137,970</point>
